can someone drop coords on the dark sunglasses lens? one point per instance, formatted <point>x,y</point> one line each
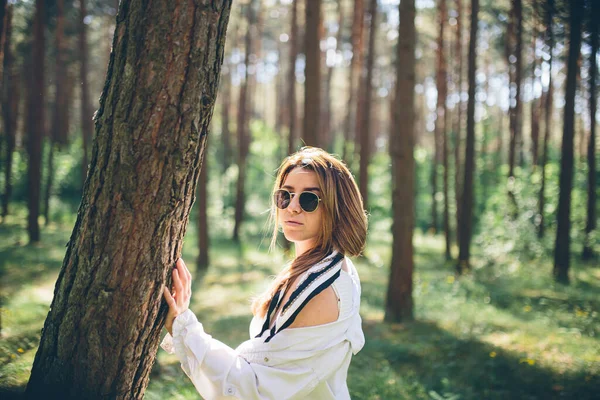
<point>282,199</point>
<point>309,201</point>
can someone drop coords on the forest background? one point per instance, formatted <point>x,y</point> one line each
<point>503,243</point>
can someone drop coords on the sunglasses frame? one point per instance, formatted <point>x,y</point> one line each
<point>292,197</point>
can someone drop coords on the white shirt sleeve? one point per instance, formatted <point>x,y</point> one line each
<point>219,372</point>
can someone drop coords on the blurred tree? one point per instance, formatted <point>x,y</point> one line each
<point>536,79</point>
<point>327,114</point>
<point>3,27</point>
<point>225,98</point>
<point>515,60</point>
<point>36,133</point>
<point>102,331</point>
<point>311,132</point>
<point>590,225</point>
<point>458,120</point>
<point>10,93</point>
<point>399,301</point>
<point>354,74</point>
<point>563,240</point>
<point>203,238</point>
<point>364,129</point>
<point>548,105</point>
<point>86,115</point>
<point>243,128</point>
<point>291,95</point>
<point>468,194</point>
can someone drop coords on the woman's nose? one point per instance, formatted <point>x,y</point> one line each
<point>294,205</point>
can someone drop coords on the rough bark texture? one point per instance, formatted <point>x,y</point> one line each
<point>399,301</point>
<point>364,132</point>
<point>86,115</point>
<point>590,225</point>
<point>291,96</point>
<point>563,240</point>
<point>10,109</point>
<point>36,125</point>
<point>466,226</point>
<point>312,87</point>
<point>547,117</point>
<point>102,332</point>
<point>243,129</point>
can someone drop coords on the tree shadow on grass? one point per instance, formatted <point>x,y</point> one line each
<point>430,359</point>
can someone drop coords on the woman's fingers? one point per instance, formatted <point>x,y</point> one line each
<point>179,287</point>
<point>168,298</point>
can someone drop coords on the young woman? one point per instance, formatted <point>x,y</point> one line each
<point>306,326</point>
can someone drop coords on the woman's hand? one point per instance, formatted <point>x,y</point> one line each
<point>179,301</point>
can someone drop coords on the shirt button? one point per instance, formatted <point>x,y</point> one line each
<point>266,359</point>
<point>230,390</point>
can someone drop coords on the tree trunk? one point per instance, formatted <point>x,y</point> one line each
<point>225,106</point>
<point>327,123</point>
<point>86,115</point>
<point>468,200</point>
<point>364,132</point>
<point>515,111</point>
<point>458,126</point>
<point>243,128</point>
<point>535,108</point>
<point>563,241</point>
<point>3,28</point>
<point>101,334</point>
<point>399,301</point>
<point>203,239</point>
<point>547,118</point>
<point>36,125</point>
<point>49,181</point>
<point>59,133</point>
<point>590,226</point>
<point>354,71</point>
<point>291,97</point>
<point>311,134</point>
<point>10,109</point>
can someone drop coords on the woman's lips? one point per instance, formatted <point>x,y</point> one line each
<point>293,223</point>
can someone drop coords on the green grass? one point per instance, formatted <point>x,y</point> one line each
<point>505,331</point>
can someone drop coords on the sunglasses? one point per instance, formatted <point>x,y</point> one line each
<point>309,202</point>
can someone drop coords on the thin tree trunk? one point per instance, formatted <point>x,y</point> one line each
<point>203,238</point>
<point>458,128</point>
<point>86,115</point>
<point>399,300</point>
<point>354,74</point>
<point>441,145</point>
<point>516,105</point>
<point>312,86</point>
<point>225,112</point>
<point>102,332</point>
<point>365,129</point>
<point>563,240</point>
<point>590,225</point>
<point>36,126</point>
<point>10,95</point>
<point>547,122</point>
<point>243,126</point>
<point>49,182</point>
<point>535,108</point>
<point>3,28</point>
<point>291,96</point>
<point>468,200</point>
<point>327,123</point>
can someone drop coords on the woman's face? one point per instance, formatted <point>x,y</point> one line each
<point>299,226</point>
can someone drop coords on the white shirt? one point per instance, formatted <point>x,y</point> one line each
<point>295,363</point>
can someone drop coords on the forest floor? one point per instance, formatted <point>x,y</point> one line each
<point>503,331</point>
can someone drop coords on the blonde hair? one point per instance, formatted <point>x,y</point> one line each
<point>344,222</point>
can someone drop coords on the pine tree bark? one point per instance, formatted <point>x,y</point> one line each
<point>86,115</point>
<point>101,334</point>
<point>11,94</point>
<point>364,132</point>
<point>399,301</point>
<point>590,225</point>
<point>243,128</point>
<point>563,240</point>
<point>311,132</point>
<point>547,118</point>
<point>36,126</point>
<point>466,226</point>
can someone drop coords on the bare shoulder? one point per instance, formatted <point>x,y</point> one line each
<point>321,309</point>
